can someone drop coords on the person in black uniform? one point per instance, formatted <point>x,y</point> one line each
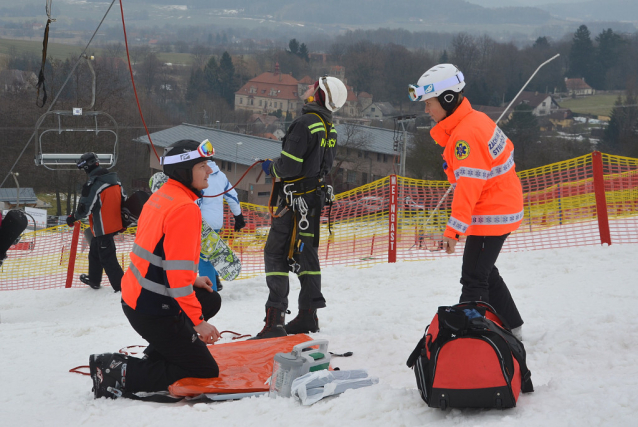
<point>308,150</point>
<point>101,201</point>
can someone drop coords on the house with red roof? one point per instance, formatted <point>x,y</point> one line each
<point>578,87</point>
<point>269,92</point>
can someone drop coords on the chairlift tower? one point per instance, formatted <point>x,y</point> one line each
<point>402,123</point>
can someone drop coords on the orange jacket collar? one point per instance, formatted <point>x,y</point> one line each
<point>443,129</point>
<point>188,191</point>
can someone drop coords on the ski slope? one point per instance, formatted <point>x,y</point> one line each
<point>580,332</point>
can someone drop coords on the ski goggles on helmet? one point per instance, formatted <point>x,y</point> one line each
<point>204,150</point>
<point>417,93</point>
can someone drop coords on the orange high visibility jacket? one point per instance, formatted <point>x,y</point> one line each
<point>488,197</point>
<point>163,268</point>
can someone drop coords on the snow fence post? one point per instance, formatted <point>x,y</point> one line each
<point>601,200</point>
<point>392,220</point>
<point>73,251</point>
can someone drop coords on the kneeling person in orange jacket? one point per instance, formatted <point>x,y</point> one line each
<point>162,297</point>
<point>488,197</point>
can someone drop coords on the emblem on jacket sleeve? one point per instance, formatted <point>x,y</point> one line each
<point>462,150</point>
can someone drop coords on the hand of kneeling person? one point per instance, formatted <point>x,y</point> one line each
<point>207,332</point>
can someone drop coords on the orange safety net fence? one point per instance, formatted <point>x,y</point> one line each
<point>567,204</point>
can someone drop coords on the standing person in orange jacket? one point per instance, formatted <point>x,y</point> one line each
<point>101,201</point>
<point>162,297</point>
<point>488,197</point>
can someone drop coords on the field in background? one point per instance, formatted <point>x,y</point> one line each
<point>64,51</point>
<point>600,105</point>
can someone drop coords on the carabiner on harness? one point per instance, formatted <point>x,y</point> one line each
<point>297,204</point>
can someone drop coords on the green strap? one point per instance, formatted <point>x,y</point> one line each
<point>277,273</point>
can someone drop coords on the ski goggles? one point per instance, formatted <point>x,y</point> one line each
<point>204,150</point>
<point>417,93</point>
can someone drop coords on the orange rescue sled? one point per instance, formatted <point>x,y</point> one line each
<point>244,367</point>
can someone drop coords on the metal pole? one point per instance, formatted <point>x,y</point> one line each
<point>236,158</point>
<point>525,85</point>
<point>15,174</point>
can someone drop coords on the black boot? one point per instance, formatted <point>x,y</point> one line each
<point>274,326</point>
<point>84,278</point>
<point>108,372</point>
<point>306,321</point>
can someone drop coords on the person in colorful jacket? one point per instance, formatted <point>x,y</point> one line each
<point>213,212</point>
<point>162,297</point>
<point>488,197</point>
<point>101,201</point>
<point>308,151</point>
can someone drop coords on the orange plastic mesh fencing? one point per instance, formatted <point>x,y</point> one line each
<point>560,211</point>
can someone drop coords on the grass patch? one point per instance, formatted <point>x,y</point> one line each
<point>64,51</point>
<point>55,50</point>
<point>600,105</point>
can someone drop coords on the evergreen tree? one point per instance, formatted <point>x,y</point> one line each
<point>293,45</point>
<point>195,84</point>
<point>303,52</point>
<point>541,43</point>
<point>211,77</point>
<point>444,58</point>
<point>524,132</point>
<point>227,80</point>
<point>621,135</point>
<point>581,54</point>
<point>608,51</point>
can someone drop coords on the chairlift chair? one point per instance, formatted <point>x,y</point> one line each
<point>60,160</point>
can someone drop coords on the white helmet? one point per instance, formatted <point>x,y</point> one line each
<point>435,81</point>
<point>335,92</point>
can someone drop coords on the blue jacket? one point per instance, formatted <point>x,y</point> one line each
<point>213,207</point>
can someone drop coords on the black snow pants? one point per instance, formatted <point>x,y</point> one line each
<point>102,257</point>
<point>481,280</point>
<point>276,258</point>
<point>174,351</point>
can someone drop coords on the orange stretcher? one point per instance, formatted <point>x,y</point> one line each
<point>244,367</point>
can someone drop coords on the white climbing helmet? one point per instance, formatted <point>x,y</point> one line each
<point>335,92</point>
<point>435,81</point>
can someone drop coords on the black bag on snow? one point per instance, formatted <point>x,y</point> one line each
<point>468,358</point>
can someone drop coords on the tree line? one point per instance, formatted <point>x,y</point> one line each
<point>203,93</point>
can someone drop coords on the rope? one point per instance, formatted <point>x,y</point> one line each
<point>240,178</point>
<point>130,68</point>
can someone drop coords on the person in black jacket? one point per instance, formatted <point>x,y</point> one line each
<point>101,201</point>
<point>308,150</point>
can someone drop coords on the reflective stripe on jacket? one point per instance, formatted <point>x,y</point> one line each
<point>163,268</point>
<point>101,200</point>
<point>306,149</point>
<point>488,198</point>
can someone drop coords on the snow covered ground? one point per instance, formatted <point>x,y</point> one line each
<point>581,335</point>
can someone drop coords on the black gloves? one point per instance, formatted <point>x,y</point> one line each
<point>70,220</point>
<point>239,222</point>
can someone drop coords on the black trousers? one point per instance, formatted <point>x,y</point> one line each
<point>13,224</point>
<point>276,260</point>
<point>481,280</point>
<point>102,257</point>
<point>174,351</point>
